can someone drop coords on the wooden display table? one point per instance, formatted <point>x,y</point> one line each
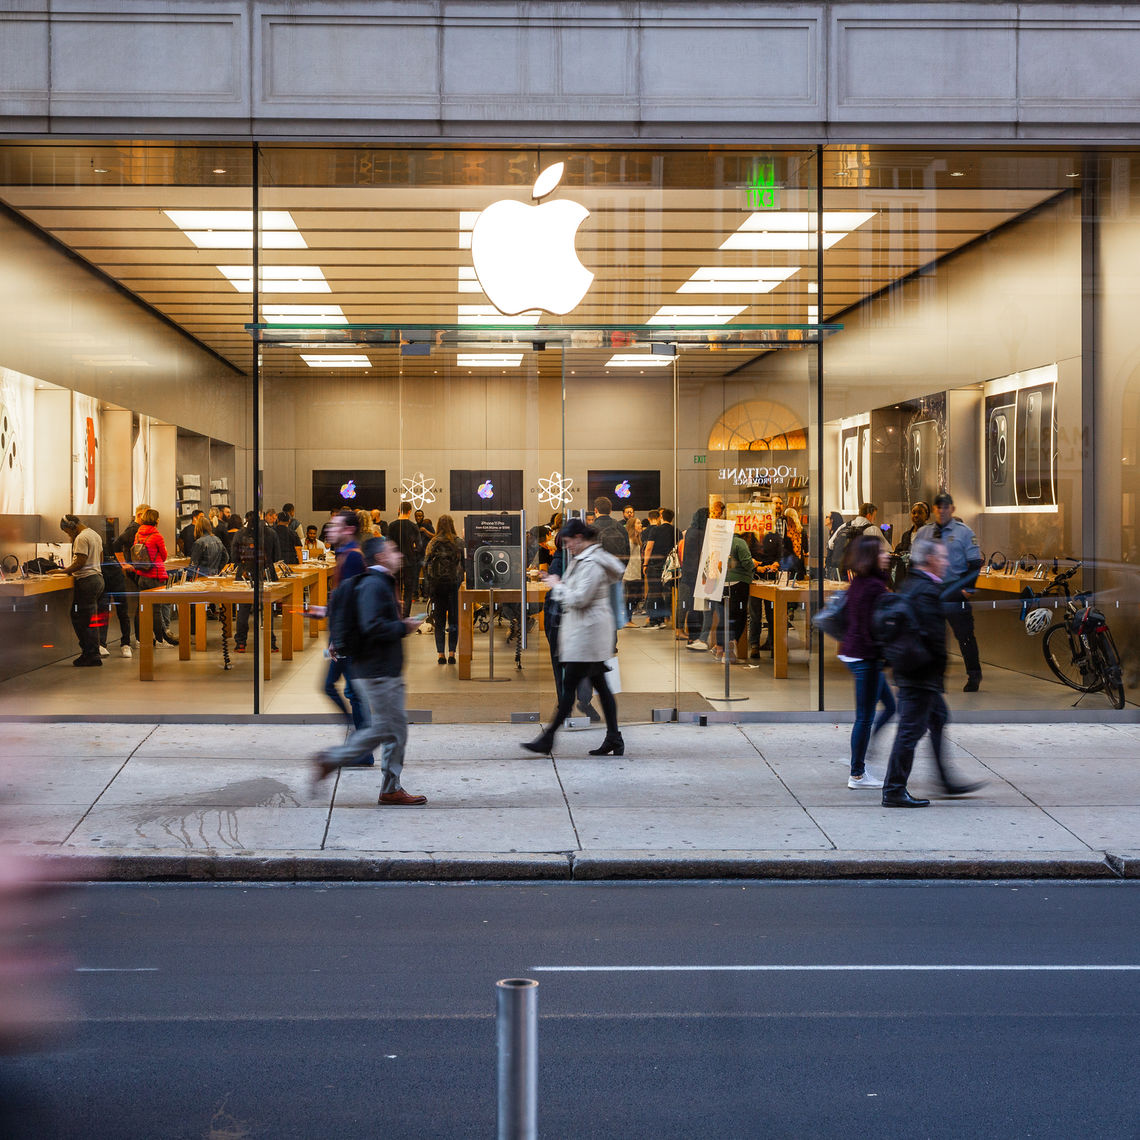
<point>31,587</point>
<point>1012,583</point>
<point>470,600</point>
<point>781,597</point>
<point>225,593</point>
<point>317,574</point>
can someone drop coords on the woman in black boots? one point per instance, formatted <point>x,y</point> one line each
<point>587,632</point>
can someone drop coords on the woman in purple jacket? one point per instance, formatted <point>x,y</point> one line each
<point>866,560</point>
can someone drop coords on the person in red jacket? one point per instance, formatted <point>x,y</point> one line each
<point>148,561</point>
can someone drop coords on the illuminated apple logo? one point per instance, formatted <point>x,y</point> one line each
<point>348,491</point>
<point>524,255</point>
<point>486,490</point>
<point>622,489</point>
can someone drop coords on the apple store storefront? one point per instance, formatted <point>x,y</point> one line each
<point>774,337</point>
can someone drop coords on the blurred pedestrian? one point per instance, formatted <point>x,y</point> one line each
<point>587,631</point>
<point>867,562</point>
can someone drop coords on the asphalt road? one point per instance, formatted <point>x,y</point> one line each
<point>232,1011</point>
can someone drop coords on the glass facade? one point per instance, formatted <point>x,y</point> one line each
<point>774,337</point>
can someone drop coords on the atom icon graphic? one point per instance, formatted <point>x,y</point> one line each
<point>417,490</point>
<point>555,490</point>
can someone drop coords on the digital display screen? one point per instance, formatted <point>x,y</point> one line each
<point>485,490</point>
<point>625,488</point>
<point>356,489</point>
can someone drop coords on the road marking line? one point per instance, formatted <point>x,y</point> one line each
<point>116,969</point>
<point>822,969</point>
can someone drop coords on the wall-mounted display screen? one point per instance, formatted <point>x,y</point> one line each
<point>352,487</point>
<point>485,490</point>
<point>625,488</point>
<point>16,436</point>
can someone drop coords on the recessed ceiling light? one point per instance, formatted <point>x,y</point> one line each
<point>813,286</point>
<point>638,360</point>
<point>219,170</point>
<point>489,315</point>
<point>343,361</point>
<point>233,229</point>
<point>737,279</point>
<point>1073,174</point>
<point>695,314</point>
<point>794,229</point>
<point>488,360</point>
<point>305,314</point>
<point>278,278</point>
<point>99,169</point>
<point>957,174</point>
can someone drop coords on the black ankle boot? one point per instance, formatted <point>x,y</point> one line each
<point>614,744</point>
<point>540,744</point>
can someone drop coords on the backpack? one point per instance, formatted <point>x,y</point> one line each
<point>614,540</point>
<point>895,630</point>
<point>443,566</point>
<point>344,619</point>
<point>832,617</point>
<point>771,548</point>
<point>847,533</point>
<point>140,555</point>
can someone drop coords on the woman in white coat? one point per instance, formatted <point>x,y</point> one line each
<point>586,635</point>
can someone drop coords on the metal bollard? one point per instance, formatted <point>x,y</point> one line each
<point>516,1016</point>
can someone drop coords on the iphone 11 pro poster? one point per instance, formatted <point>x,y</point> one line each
<point>1036,446</point>
<point>1001,414</point>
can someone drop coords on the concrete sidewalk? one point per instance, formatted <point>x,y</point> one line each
<point>190,801</point>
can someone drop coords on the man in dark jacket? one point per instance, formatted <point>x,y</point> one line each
<point>614,539</point>
<point>372,625</point>
<point>252,559</point>
<point>921,706</point>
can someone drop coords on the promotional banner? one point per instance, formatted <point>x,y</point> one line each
<point>17,396</point>
<point>85,443</point>
<point>714,560</point>
<point>140,463</point>
<point>496,538</point>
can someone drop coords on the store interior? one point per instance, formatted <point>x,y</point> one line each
<point>945,345</point>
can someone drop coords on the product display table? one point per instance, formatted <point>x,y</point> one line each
<point>470,600</point>
<point>1012,583</point>
<point>226,593</point>
<point>318,575</point>
<point>780,597</point>
<point>30,587</point>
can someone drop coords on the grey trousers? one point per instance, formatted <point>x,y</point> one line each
<point>388,727</point>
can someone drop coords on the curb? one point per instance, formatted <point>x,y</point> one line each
<point>423,866</point>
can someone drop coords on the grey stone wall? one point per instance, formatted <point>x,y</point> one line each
<point>499,70</point>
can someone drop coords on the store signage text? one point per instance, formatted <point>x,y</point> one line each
<point>754,476</point>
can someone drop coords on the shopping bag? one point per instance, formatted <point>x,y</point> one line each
<point>613,675</point>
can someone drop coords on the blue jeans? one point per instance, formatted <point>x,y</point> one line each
<point>338,667</point>
<point>871,689</point>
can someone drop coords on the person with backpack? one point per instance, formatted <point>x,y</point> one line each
<point>866,561</point>
<point>370,627</point>
<point>443,575</point>
<point>148,561</point>
<point>613,539</point>
<point>916,651</point>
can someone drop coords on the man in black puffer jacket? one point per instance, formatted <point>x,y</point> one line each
<point>370,626</point>
<point>921,705</point>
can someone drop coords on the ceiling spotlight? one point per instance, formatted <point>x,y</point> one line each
<point>957,174</point>
<point>219,170</point>
<point>1073,174</point>
<point>99,169</point>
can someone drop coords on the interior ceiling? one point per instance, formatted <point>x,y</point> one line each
<point>384,227</point>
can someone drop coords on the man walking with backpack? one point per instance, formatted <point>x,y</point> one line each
<point>918,658</point>
<point>371,631</point>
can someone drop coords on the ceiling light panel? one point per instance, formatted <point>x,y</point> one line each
<point>278,278</point>
<point>638,360</point>
<point>344,361</point>
<point>794,229</point>
<point>488,360</point>
<point>737,279</point>
<point>695,314</point>
<point>233,229</point>
<point>304,314</point>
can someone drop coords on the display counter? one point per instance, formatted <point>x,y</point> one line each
<point>470,600</point>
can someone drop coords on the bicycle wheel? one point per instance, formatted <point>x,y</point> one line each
<point>1108,662</point>
<point>1070,662</point>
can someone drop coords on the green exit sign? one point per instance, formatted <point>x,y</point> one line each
<point>761,191</point>
<point>700,458</point>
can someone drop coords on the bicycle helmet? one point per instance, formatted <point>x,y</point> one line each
<point>1036,621</point>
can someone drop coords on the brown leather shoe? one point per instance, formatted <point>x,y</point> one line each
<point>400,798</point>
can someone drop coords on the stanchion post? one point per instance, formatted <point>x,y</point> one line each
<point>516,1016</point>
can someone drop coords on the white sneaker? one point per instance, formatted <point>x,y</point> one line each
<point>104,651</point>
<point>697,645</point>
<point>125,651</point>
<point>865,781</point>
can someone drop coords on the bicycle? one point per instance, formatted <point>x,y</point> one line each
<point>1078,645</point>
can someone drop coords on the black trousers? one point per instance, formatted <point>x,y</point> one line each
<point>445,610</point>
<point>919,711</point>
<point>84,603</point>
<point>573,673</point>
<point>960,617</point>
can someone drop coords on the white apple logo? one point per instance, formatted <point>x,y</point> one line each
<point>524,255</point>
